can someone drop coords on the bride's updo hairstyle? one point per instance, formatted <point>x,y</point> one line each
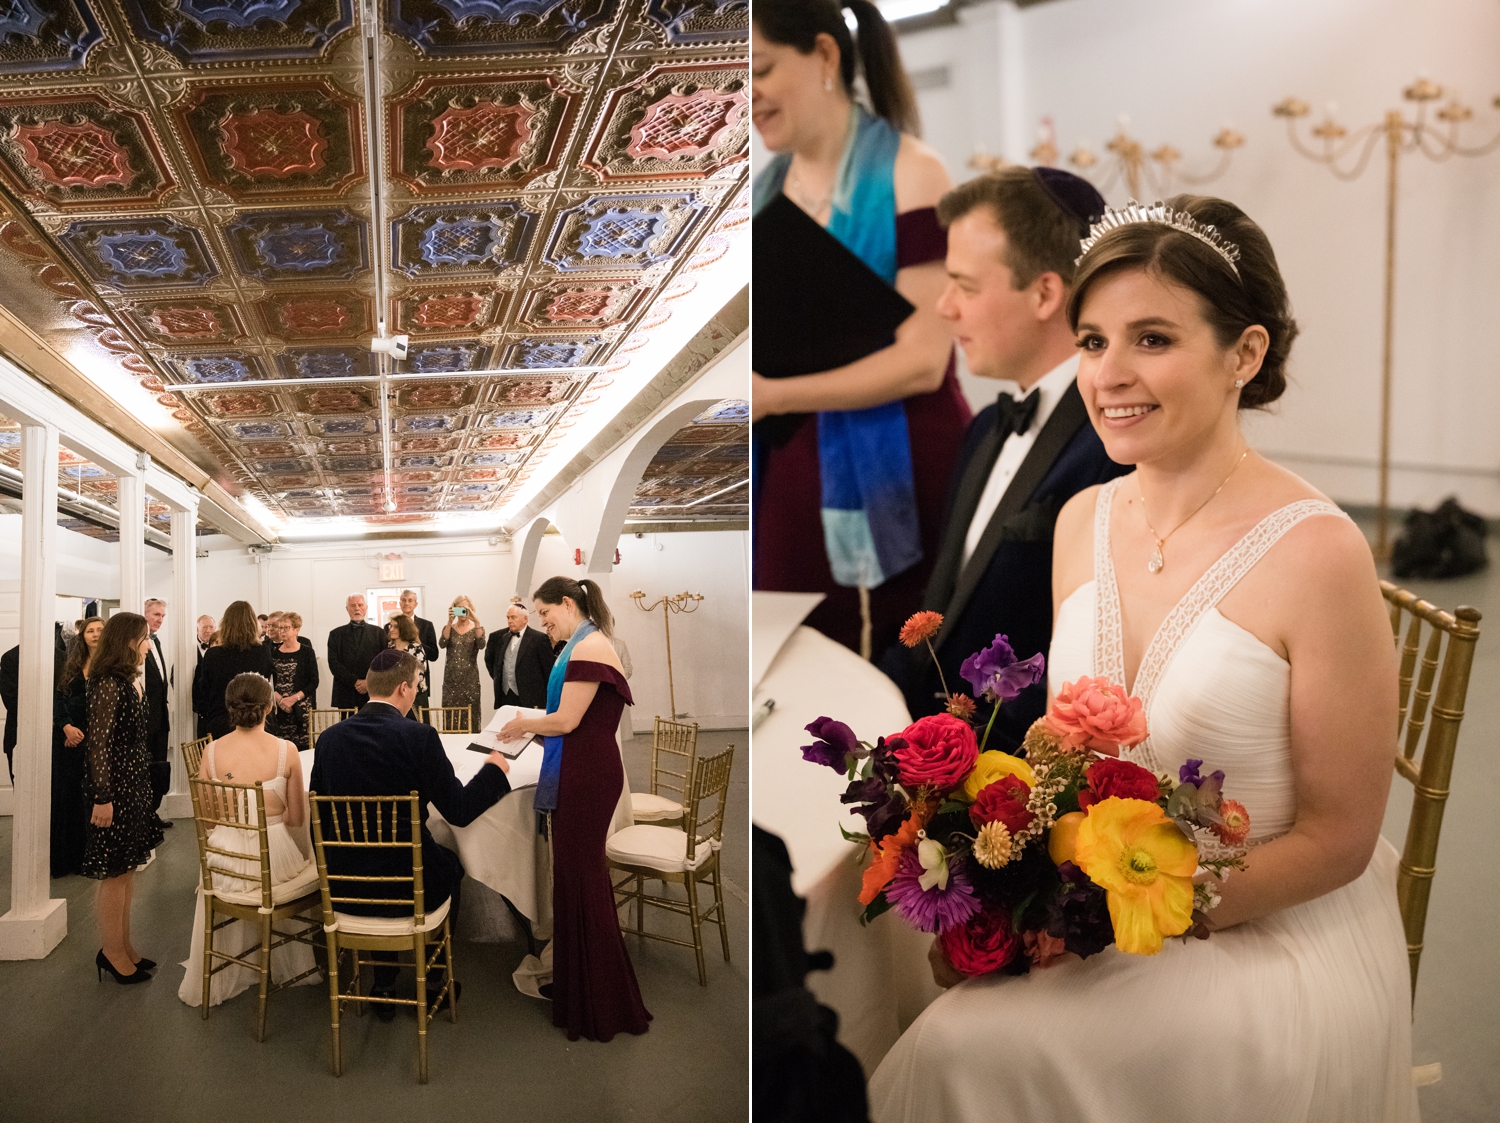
<point>246,700</point>
<point>1230,303</point>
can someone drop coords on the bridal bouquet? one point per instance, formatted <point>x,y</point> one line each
<point>1015,860</point>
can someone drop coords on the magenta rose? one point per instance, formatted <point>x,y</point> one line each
<point>940,752</point>
<point>981,944</point>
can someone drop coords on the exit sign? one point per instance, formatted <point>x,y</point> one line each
<point>393,568</point>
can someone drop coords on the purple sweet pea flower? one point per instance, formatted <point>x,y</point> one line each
<point>836,741</point>
<point>1198,798</point>
<point>883,808</point>
<point>936,909</point>
<point>996,673</point>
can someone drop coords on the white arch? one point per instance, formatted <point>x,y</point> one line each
<point>526,563</point>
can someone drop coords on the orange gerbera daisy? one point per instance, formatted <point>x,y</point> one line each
<point>921,626</point>
<point>887,854</point>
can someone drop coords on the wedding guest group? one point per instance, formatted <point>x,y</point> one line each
<point>1012,240</point>
<point>593,989</point>
<point>379,752</point>
<point>463,636</point>
<point>351,646</point>
<point>122,829</point>
<point>519,660</point>
<point>851,465</point>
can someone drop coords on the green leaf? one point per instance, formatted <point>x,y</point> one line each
<point>1018,913</point>
<point>854,836</point>
<point>948,806</point>
<point>851,762</point>
<point>868,770</point>
<point>875,908</point>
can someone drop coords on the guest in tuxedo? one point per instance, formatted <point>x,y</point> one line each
<point>270,632</point>
<point>379,752</point>
<point>425,631</point>
<point>1012,239</point>
<point>10,690</point>
<point>158,720</point>
<point>239,652</point>
<point>351,646</point>
<point>852,464</point>
<point>206,629</point>
<point>519,660</point>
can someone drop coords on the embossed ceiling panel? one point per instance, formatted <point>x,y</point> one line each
<point>702,472</point>
<point>205,193</point>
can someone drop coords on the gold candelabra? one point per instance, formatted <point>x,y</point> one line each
<point>1158,170</point>
<point>682,603</point>
<point>1347,153</point>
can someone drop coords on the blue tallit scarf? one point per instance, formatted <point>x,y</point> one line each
<point>864,456</point>
<point>546,786</point>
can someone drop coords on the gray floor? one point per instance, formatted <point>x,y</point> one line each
<point>73,1049</point>
<point>1457,1016</point>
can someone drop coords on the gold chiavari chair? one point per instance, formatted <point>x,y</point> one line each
<point>674,749</point>
<point>686,855</point>
<point>1429,772</point>
<point>192,754</point>
<point>243,890</point>
<point>375,825</point>
<point>319,720</point>
<point>448,719</point>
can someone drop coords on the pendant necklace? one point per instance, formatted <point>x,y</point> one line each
<point>813,206</point>
<point>1158,560</point>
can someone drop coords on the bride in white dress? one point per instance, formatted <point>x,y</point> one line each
<point>1258,642</point>
<point>245,756</point>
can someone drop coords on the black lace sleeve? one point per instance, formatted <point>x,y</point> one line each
<point>104,708</point>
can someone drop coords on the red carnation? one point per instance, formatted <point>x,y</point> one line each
<point>1119,778</point>
<point>921,626</point>
<point>981,944</point>
<point>940,752</point>
<point>1005,801</point>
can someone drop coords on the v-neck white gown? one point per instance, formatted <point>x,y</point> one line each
<point>1302,1016</point>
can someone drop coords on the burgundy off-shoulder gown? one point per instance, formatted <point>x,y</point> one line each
<point>594,992</point>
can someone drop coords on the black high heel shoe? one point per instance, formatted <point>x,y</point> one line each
<point>102,964</point>
<point>144,964</point>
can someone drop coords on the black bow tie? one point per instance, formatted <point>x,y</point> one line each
<point>1013,416</point>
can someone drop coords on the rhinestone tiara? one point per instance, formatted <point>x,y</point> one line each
<point>1162,215</point>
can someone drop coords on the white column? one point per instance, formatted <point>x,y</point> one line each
<point>182,611</point>
<point>35,923</point>
<point>1016,129</point>
<point>132,543</point>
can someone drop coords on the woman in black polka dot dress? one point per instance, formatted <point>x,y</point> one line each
<point>122,830</point>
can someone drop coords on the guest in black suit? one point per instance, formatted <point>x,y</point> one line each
<point>239,652</point>
<point>206,630</point>
<point>351,646</point>
<point>1012,238</point>
<point>10,690</point>
<point>379,752</point>
<point>519,660</point>
<point>426,633</point>
<point>158,717</point>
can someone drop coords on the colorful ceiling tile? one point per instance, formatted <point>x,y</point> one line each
<point>556,173</point>
<point>702,471</point>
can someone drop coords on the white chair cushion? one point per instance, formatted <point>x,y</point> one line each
<point>389,925</point>
<point>658,848</point>
<point>648,808</point>
<point>281,892</point>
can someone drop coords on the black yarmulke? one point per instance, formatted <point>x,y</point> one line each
<point>1073,194</point>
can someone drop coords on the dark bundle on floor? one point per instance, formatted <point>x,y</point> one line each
<point>1447,542</point>
<point>801,1074</point>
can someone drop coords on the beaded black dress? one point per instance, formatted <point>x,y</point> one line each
<point>461,672</point>
<point>117,772</point>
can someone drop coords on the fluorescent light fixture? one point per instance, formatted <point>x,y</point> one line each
<point>703,499</point>
<point>894,10</point>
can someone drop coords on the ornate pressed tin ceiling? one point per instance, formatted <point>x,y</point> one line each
<point>702,472</point>
<point>224,200</point>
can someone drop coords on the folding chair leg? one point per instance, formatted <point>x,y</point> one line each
<point>719,904</point>
<point>265,975</point>
<point>692,895</point>
<point>422,1014</point>
<point>333,998</point>
<point>208,951</point>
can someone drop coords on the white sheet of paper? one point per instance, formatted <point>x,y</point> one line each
<point>776,616</point>
<point>503,716</point>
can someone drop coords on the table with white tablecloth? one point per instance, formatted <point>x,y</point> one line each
<point>880,980</point>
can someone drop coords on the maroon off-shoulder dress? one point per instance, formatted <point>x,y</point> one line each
<point>789,551</point>
<point>594,992</point>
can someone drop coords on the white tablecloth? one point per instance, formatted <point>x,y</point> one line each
<point>501,848</point>
<point>880,980</point>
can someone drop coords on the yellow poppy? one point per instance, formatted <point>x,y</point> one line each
<point>1145,865</point>
<point>990,767</point>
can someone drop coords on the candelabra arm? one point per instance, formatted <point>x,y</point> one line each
<point>1208,177</point>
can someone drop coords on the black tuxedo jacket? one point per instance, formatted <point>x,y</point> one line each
<point>158,723</point>
<point>1006,587</point>
<point>428,636</point>
<point>533,665</point>
<point>350,648</point>
<point>379,752</point>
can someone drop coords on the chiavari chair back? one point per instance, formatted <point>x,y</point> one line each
<point>448,719</point>
<point>319,720</point>
<point>192,754</point>
<point>674,749</point>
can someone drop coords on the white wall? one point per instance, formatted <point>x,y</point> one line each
<point>1183,68</point>
<point>710,648</point>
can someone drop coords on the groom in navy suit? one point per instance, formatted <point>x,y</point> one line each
<point>1012,239</point>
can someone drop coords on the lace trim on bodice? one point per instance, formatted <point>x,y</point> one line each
<point>276,784</point>
<point>1206,593</point>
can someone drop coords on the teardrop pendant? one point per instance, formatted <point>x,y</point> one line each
<point>1157,561</point>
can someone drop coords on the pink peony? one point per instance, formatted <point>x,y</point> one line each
<point>1094,713</point>
<point>940,752</point>
<point>982,944</point>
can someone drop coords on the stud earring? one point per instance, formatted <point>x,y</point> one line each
<point>1238,382</point>
<point>828,85</point>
